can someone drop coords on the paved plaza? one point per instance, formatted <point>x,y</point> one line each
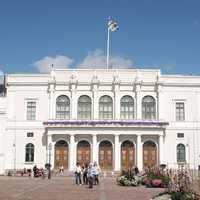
<point>63,188</point>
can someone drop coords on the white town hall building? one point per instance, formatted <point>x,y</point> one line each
<point>117,117</point>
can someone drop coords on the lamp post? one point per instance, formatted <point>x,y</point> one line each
<point>49,166</point>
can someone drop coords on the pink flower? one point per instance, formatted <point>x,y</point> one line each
<point>156,182</point>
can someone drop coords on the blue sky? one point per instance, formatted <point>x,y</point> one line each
<point>72,34</point>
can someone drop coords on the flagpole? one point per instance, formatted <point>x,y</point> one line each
<point>108,48</point>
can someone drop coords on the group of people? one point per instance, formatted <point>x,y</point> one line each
<point>40,172</point>
<point>87,174</point>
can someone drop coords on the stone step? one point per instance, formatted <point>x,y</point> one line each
<point>67,173</point>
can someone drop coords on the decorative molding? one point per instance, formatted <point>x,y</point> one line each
<point>105,123</point>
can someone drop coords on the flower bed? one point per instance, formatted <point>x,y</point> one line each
<point>124,181</point>
<point>179,188</point>
<point>156,178</point>
<point>128,178</point>
<point>177,196</point>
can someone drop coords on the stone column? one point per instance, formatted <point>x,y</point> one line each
<point>50,151</point>
<point>117,153</point>
<point>139,153</point>
<point>94,149</point>
<point>161,149</point>
<point>72,153</point>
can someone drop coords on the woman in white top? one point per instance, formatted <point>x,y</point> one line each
<point>78,174</point>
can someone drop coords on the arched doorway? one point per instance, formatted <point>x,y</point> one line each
<point>149,154</point>
<point>83,152</point>
<point>127,155</point>
<point>105,155</point>
<point>61,154</point>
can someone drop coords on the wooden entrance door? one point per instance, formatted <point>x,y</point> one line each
<point>105,155</point>
<point>149,154</point>
<point>83,153</point>
<point>127,155</point>
<point>61,154</point>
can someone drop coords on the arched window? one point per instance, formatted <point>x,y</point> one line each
<point>105,107</point>
<point>29,155</point>
<point>180,153</point>
<point>127,107</point>
<point>148,108</point>
<point>84,107</point>
<point>62,107</point>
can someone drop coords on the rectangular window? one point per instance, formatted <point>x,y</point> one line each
<point>31,110</point>
<point>180,135</point>
<point>180,111</point>
<point>30,134</point>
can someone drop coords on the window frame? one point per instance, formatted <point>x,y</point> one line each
<point>180,135</point>
<point>107,108</point>
<point>63,112</point>
<point>29,153</point>
<point>29,134</point>
<point>180,156</point>
<point>85,113</point>
<point>148,109</point>
<point>179,116</point>
<point>126,112</point>
<point>27,109</point>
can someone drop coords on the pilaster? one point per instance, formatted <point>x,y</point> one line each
<point>72,152</point>
<point>51,100</point>
<point>138,99</point>
<point>139,153</point>
<point>161,149</point>
<point>95,84</point>
<point>159,101</point>
<point>73,86</point>
<point>117,153</point>
<point>116,90</point>
<point>94,149</point>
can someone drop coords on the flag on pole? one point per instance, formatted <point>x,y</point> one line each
<point>112,25</point>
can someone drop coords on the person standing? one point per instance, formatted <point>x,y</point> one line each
<point>35,170</point>
<point>78,174</point>
<point>97,172</point>
<point>85,171</point>
<point>91,174</point>
<point>136,170</point>
<point>61,169</point>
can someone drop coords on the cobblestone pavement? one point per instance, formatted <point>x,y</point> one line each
<point>63,188</point>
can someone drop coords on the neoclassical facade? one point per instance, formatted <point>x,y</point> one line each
<point>119,118</point>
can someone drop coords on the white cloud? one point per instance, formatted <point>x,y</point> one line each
<point>96,59</point>
<point>59,61</point>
